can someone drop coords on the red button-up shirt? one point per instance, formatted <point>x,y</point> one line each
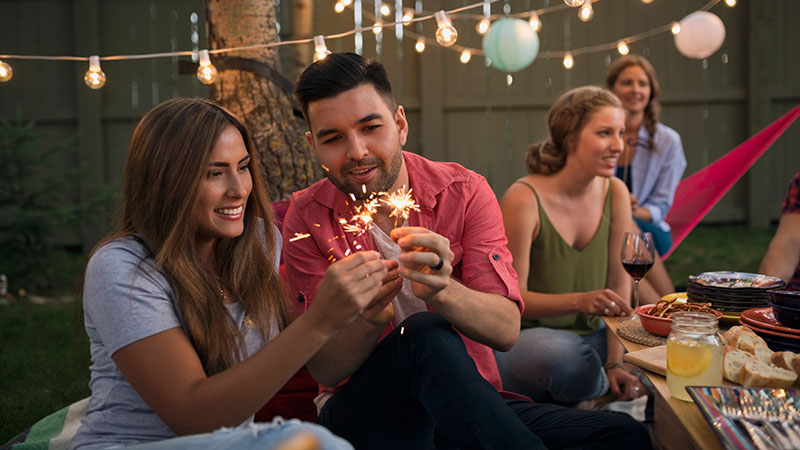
<point>454,202</point>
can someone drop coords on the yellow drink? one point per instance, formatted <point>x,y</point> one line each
<point>692,363</point>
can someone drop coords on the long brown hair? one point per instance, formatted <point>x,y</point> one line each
<point>167,159</point>
<point>652,112</point>
<point>565,120</point>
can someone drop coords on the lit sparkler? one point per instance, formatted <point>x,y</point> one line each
<point>298,236</point>
<point>401,203</point>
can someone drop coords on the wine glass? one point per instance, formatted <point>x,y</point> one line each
<point>638,256</point>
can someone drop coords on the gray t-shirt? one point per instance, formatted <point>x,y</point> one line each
<point>127,299</point>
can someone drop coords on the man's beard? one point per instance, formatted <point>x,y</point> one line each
<point>382,183</point>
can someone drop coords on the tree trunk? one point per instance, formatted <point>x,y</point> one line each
<point>302,28</point>
<point>250,85</point>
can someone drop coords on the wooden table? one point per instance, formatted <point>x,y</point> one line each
<point>678,424</point>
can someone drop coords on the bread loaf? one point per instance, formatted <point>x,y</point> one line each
<point>733,360</point>
<point>755,373</point>
<point>787,360</point>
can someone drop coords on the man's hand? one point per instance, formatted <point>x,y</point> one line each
<point>425,258</point>
<point>381,311</point>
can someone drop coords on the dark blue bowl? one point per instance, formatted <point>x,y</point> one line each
<point>789,299</point>
<point>789,317</point>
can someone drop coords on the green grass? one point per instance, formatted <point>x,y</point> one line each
<point>44,362</point>
<point>719,247</point>
<point>44,351</point>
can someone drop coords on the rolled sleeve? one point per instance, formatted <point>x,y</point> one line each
<point>304,263</point>
<point>670,172</point>
<point>487,264</point>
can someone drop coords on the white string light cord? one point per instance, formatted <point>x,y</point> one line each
<point>446,36</point>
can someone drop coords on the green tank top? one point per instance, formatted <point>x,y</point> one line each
<point>558,268</point>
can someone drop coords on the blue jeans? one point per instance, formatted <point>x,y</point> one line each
<point>555,365</point>
<point>662,240</point>
<point>250,436</point>
<point>421,390</point>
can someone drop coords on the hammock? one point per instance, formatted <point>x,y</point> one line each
<point>698,193</point>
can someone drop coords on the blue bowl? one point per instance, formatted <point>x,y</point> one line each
<point>789,317</point>
<point>790,299</point>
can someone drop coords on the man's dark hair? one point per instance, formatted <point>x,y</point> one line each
<point>340,72</point>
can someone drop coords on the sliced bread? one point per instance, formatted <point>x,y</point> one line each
<point>748,342</point>
<point>755,373</point>
<point>787,360</point>
<point>733,360</point>
<point>763,353</point>
<point>730,335</point>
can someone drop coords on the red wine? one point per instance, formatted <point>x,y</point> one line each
<point>637,267</point>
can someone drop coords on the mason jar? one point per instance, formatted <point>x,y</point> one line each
<point>694,353</point>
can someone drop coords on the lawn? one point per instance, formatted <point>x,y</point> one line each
<point>45,352</point>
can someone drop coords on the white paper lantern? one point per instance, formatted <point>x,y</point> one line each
<point>702,33</point>
<point>511,44</point>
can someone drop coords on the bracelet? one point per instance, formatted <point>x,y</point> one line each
<point>614,365</point>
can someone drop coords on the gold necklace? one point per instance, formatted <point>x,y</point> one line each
<point>247,321</point>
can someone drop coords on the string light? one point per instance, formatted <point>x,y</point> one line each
<point>385,9</point>
<point>466,55</point>
<point>483,26</point>
<point>206,72</point>
<point>339,7</point>
<point>647,2</point>
<point>408,15</point>
<point>446,34</point>
<point>573,3</point>
<point>622,47</point>
<point>320,49</point>
<point>509,79</point>
<point>536,24</point>
<point>568,61</point>
<point>5,72</point>
<point>377,27</point>
<point>94,78</point>
<point>420,45</point>
<point>676,28</point>
<point>347,2</point>
<point>730,3</point>
<point>586,12</point>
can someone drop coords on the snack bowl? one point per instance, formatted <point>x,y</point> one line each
<point>660,326</point>
<point>790,299</point>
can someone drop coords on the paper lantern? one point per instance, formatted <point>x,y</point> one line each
<point>511,44</point>
<point>701,34</point>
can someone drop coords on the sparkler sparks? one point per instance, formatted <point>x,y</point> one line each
<point>401,203</point>
<point>298,236</point>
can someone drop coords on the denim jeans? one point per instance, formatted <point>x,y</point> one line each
<point>422,384</point>
<point>555,365</point>
<point>250,436</point>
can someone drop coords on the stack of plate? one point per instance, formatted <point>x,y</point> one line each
<point>731,292</point>
<point>778,336</point>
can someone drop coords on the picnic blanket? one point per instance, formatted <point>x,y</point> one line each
<point>54,432</point>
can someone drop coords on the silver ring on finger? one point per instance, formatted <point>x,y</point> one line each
<point>605,311</point>
<point>611,305</point>
<point>636,389</point>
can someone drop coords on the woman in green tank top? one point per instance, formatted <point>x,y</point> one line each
<point>564,222</point>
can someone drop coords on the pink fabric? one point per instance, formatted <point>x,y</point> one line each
<point>454,202</point>
<point>698,193</point>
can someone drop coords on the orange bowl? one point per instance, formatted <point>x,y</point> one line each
<point>659,326</point>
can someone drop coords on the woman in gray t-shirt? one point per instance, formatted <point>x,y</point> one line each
<point>184,308</point>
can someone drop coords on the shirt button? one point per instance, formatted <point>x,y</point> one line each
<point>496,257</point>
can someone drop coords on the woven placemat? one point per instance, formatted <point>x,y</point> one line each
<point>632,330</point>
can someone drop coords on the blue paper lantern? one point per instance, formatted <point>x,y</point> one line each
<point>511,44</point>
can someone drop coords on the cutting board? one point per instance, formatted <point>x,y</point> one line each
<point>653,359</point>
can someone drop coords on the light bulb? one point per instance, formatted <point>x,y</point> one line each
<point>347,2</point>
<point>586,12</point>
<point>622,48</point>
<point>568,61</point>
<point>676,28</point>
<point>446,34</point>
<point>5,72</point>
<point>377,27</point>
<point>536,24</point>
<point>320,49</point>
<point>509,79</point>
<point>206,72</point>
<point>465,56</point>
<point>573,3</point>
<point>730,3</point>
<point>647,2</point>
<point>483,26</point>
<point>339,7</point>
<point>385,9</point>
<point>408,15</point>
<point>94,78</point>
<point>420,45</point>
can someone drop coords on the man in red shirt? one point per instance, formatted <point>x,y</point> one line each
<point>416,370</point>
<point>782,259</point>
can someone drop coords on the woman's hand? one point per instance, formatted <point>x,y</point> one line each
<point>350,287</point>
<point>624,384</point>
<point>604,302</point>
<point>426,260</point>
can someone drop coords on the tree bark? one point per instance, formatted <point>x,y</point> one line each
<point>249,84</point>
